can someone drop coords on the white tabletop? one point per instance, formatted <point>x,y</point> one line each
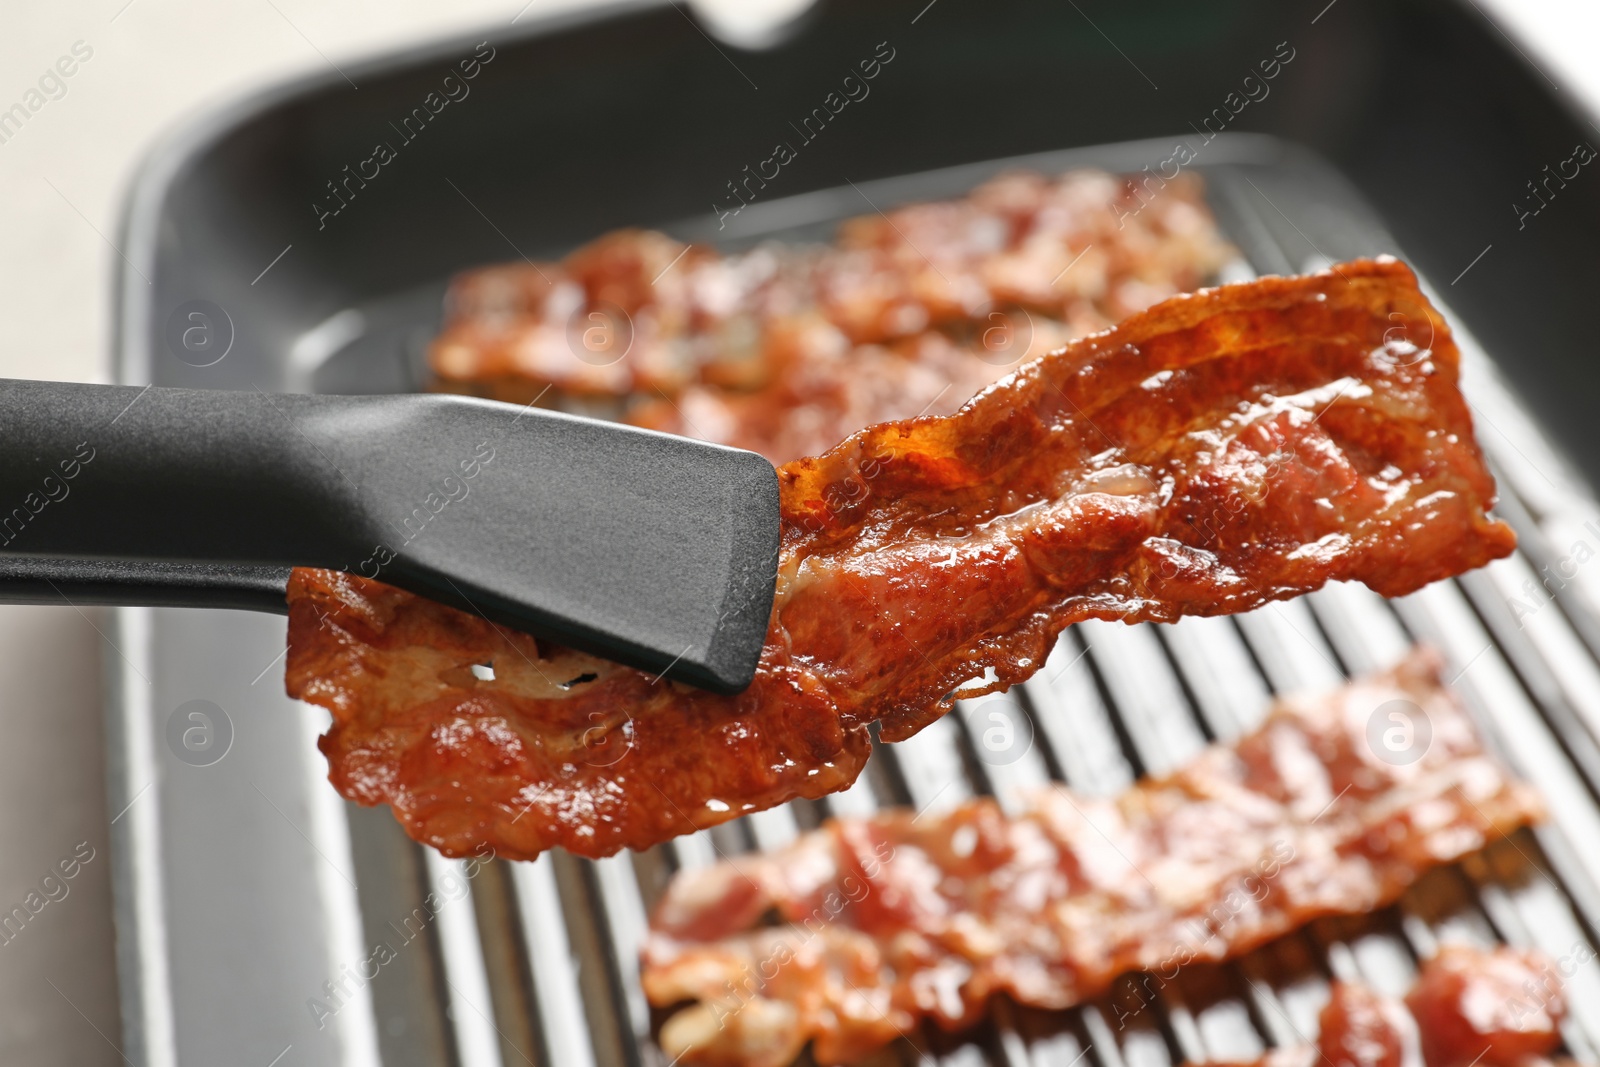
<point>151,63</point>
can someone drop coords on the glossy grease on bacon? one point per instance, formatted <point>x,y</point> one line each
<point>932,915</point>
<point>1223,449</point>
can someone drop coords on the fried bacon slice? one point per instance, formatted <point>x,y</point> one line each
<point>1500,1007</point>
<point>1496,1006</point>
<point>1223,449</point>
<point>1358,1027</point>
<point>786,349</point>
<point>900,916</point>
<point>812,403</point>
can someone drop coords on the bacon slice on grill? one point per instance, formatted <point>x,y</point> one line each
<point>1498,1007</point>
<point>1358,1027</point>
<point>1221,450</point>
<point>901,916</point>
<point>695,315</point>
<point>786,349</point>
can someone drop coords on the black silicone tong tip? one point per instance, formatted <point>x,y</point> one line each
<point>652,550</point>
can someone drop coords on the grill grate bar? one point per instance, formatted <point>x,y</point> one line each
<point>932,769</point>
<point>935,776</point>
<point>1385,961</point>
<point>477,1044</point>
<point>1142,1042</point>
<point>1184,1027</point>
<point>1280,1024</point>
<point>1103,1046</point>
<point>1441,615</point>
<point>1227,1033</point>
<point>1074,720</point>
<point>1008,1048</point>
<point>554,969</point>
<point>1541,634</point>
<point>1301,985</point>
<point>1290,647</point>
<point>1229,692</point>
<point>624,911</point>
<point>1524,458</point>
<point>857,800</point>
<point>1146,693</point>
<point>1542,647</point>
<point>1364,632</point>
<point>693,851</point>
<point>774,827</point>
<point>1559,546</point>
<point>989,724</point>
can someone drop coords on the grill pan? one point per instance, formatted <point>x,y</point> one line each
<point>249,895</point>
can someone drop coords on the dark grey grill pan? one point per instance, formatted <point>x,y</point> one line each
<point>250,896</point>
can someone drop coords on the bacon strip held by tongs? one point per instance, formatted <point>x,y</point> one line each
<point>900,917</point>
<point>1239,445</point>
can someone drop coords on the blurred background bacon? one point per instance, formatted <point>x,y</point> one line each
<point>787,349</point>
<point>1499,1007</point>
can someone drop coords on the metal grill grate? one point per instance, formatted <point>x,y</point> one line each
<point>538,963</point>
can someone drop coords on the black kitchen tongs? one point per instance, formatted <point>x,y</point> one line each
<point>652,550</point>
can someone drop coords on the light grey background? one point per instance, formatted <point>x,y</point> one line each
<point>62,178</point>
